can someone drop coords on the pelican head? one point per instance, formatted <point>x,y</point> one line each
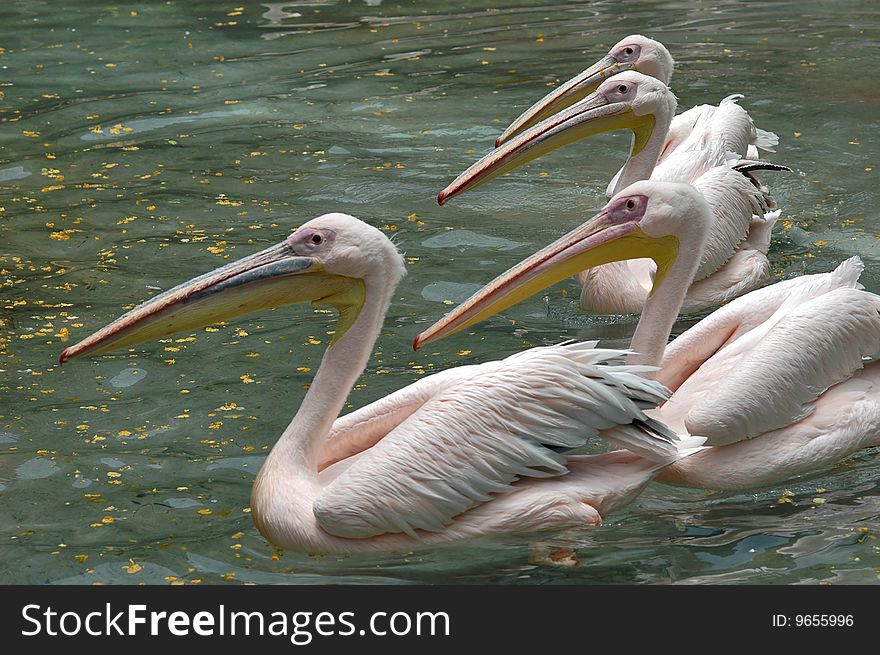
<point>635,52</point>
<point>331,260</point>
<point>647,219</point>
<point>629,100</point>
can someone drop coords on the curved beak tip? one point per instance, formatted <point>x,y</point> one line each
<point>498,142</point>
<point>441,197</point>
<point>417,342</point>
<point>64,356</point>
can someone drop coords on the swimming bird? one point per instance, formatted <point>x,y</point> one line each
<point>776,381</point>
<point>469,451</point>
<point>734,259</point>
<point>727,122</point>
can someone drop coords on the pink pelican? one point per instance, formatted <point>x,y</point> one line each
<point>727,122</point>
<point>734,259</point>
<point>776,380</point>
<point>469,451</point>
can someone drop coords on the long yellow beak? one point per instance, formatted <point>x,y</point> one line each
<point>577,88</point>
<point>593,115</point>
<point>600,240</point>
<point>270,278</point>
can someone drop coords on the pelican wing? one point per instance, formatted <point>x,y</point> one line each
<point>727,122</point>
<point>732,188</point>
<point>733,199</point>
<point>771,377</point>
<point>759,309</point>
<point>503,421</point>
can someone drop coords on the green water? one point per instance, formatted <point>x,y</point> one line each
<point>145,143</point>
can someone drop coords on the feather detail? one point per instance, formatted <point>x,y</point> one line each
<point>430,469</point>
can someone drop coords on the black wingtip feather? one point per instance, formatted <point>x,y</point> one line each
<point>748,167</point>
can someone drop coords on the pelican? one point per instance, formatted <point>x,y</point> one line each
<point>734,259</point>
<point>727,122</point>
<point>469,451</point>
<point>775,381</point>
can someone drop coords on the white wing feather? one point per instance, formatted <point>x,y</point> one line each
<point>478,436</point>
<point>733,199</point>
<point>774,378</point>
<point>727,122</point>
<point>694,347</point>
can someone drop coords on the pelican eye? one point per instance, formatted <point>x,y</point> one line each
<point>621,88</point>
<point>630,204</point>
<point>317,238</point>
<point>628,51</point>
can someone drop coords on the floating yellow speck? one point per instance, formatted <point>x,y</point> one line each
<point>133,567</point>
<point>247,379</point>
<point>204,512</point>
<point>107,520</point>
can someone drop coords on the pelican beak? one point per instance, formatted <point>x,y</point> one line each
<point>600,240</point>
<point>270,278</point>
<point>593,115</point>
<point>577,88</point>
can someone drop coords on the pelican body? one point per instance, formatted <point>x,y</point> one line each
<point>470,451</point>
<point>734,257</point>
<point>776,381</point>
